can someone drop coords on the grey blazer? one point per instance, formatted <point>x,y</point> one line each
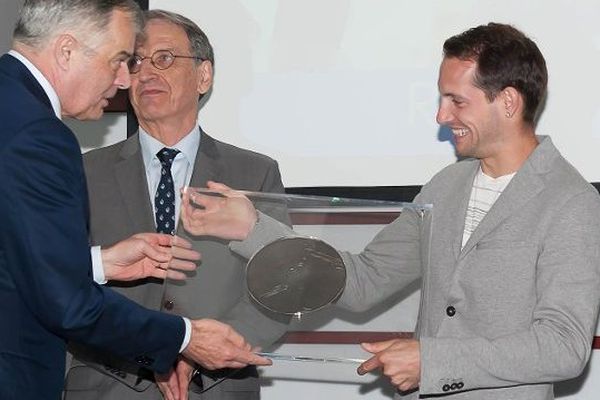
<point>120,207</point>
<point>512,311</point>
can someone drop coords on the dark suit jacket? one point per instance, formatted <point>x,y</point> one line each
<point>120,207</point>
<point>47,295</point>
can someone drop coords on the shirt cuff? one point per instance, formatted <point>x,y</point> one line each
<point>97,265</point>
<point>188,334</point>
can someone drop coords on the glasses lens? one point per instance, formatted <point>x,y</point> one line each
<point>162,59</point>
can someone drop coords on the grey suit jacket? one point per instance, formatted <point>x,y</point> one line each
<point>524,290</point>
<point>120,207</point>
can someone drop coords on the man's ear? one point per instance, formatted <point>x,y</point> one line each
<point>205,77</point>
<point>512,101</point>
<point>64,46</point>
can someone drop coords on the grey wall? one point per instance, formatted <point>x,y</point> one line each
<point>8,16</point>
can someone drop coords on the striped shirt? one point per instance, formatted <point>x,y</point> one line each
<point>484,194</point>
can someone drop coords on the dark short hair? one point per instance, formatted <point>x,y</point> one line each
<point>199,44</point>
<point>505,57</point>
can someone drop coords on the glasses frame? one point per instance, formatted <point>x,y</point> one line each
<point>134,65</point>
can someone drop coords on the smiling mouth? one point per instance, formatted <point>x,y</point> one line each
<point>460,132</point>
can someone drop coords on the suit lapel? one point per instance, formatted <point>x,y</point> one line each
<point>459,208</point>
<point>518,192</point>
<point>133,185</point>
<point>207,165</point>
<point>448,225</point>
<point>525,185</point>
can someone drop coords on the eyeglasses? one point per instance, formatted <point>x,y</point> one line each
<point>160,59</point>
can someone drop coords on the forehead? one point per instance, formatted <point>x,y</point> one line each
<point>455,73</point>
<point>120,34</point>
<point>161,34</point>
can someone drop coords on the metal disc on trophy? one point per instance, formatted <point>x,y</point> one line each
<point>301,272</point>
<point>295,275</point>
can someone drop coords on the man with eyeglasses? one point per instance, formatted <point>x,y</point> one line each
<point>172,69</point>
<point>68,58</point>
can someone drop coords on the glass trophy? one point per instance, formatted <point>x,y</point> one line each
<point>300,269</point>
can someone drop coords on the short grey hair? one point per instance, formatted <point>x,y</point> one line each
<point>41,20</point>
<point>199,44</point>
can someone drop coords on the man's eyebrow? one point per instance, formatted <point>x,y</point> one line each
<point>447,94</point>
<point>123,53</point>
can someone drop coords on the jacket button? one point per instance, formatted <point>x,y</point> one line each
<point>168,305</point>
<point>144,360</point>
<point>141,360</point>
<point>446,387</point>
<point>450,311</point>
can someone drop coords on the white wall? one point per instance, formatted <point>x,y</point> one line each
<point>343,92</point>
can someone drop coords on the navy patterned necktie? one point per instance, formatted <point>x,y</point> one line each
<point>164,200</point>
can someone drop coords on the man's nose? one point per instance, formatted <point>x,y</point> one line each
<point>123,79</point>
<point>443,116</point>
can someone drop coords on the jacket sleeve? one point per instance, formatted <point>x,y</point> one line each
<point>44,217</point>
<point>392,260</point>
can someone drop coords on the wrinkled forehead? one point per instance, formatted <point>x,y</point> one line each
<point>160,34</point>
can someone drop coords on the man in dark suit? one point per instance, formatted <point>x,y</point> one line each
<point>171,70</point>
<point>68,58</point>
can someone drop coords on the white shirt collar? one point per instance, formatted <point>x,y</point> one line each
<point>188,146</point>
<point>37,74</point>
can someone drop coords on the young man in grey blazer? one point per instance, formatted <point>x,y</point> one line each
<point>171,70</point>
<point>511,289</point>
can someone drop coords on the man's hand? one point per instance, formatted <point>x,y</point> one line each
<point>149,255</point>
<point>215,345</point>
<point>231,216</point>
<point>400,360</point>
<point>175,384</point>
